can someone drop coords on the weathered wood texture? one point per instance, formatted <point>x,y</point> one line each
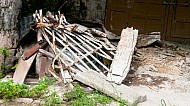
<point>22,69</point>
<point>9,11</point>
<point>122,60</point>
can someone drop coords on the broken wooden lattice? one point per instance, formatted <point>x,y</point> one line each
<point>72,47</point>
<point>76,51</point>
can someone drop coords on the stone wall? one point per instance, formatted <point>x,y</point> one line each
<point>9,34</point>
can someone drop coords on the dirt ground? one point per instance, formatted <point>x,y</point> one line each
<point>161,71</point>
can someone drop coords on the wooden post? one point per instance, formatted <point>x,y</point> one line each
<point>122,60</point>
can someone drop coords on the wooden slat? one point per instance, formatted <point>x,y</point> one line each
<point>28,53</point>
<point>22,69</point>
<point>43,66</point>
<point>122,60</point>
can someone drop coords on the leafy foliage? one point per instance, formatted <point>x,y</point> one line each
<point>4,52</point>
<point>79,97</point>
<point>3,67</point>
<point>41,89</point>
<point>9,90</point>
<point>123,103</point>
<point>53,100</point>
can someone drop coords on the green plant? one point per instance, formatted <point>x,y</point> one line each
<point>4,52</point>
<point>4,68</point>
<point>43,84</point>
<point>123,103</point>
<point>78,97</point>
<point>163,103</point>
<point>53,100</point>
<point>14,67</point>
<point>9,90</point>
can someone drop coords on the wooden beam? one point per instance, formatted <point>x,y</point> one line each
<point>28,53</point>
<point>99,82</point>
<point>122,60</point>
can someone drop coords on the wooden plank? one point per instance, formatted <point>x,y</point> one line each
<point>99,82</point>
<point>22,69</point>
<point>28,53</point>
<point>122,60</point>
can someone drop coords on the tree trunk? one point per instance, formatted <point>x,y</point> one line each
<point>9,30</point>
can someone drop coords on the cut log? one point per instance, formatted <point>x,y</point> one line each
<point>22,69</point>
<point>122,60</point>
<point>99,82</point>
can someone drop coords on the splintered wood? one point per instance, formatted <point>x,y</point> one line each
<point>122,60</point>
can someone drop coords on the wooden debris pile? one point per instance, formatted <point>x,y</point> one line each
<point>70,47</point>
<point>74,52</point>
